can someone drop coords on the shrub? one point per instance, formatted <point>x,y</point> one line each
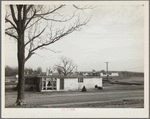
<point>84,89</point>
<point>31,88</point>
<point>96,86</point>
<point>100,88</point>
<point>15,88</point>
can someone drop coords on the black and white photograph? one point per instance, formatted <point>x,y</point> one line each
<point>75,59</point>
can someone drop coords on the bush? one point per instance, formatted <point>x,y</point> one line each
<point>10,71</point>
<point>100,88</point>
<point>96,86</point>
<point>84,89</point>
<point>31,88</point>
<point>16,87</point>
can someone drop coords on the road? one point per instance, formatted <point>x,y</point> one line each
<point>78,98</point>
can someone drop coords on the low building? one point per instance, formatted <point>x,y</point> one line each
<point>64,83</point>
<point>110,74</point>
<point>89,73</point>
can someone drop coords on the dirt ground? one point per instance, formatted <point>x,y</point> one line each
<point>107,87</point>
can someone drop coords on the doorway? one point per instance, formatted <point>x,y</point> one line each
<point>49,84</point>
<point>61,83</point>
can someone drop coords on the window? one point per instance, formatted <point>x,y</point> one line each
<point>49,83</point>
<point>80,80</point>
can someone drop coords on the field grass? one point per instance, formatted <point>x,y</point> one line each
<point>10,79</point>
<point>128,79</point>
<point>131,103</point>
<point>136,103</point>
<point>133,80</point>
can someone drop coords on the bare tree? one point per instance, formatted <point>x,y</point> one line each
<point>10,71</point>
<point>66,66</point>
<point>28,71</point>
<point>39,70</point>
<point>35,27</point>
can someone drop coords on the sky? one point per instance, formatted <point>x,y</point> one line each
<point>114,34</point>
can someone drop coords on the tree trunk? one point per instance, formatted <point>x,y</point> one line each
<point>21,58</point>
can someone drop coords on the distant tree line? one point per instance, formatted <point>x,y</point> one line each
<point>13,71</point>
<point>30,71</point>
<point>132,74</point>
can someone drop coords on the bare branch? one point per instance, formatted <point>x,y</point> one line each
<point>30,19</point>
<point>60,36</point>
<point>35,37</point>
<point>7,20</point>
<point>9,34</point>
<point>29,55</point>
<point>51,50</point>
<point>9,28</point>
<point>85,7</point>
<point>13,14</point>
<point>29,8</point>
<point>51,11</point>
<point>24,14</point>
<point>33,23</point>
<point>56,20</point>
<point>19,7</point>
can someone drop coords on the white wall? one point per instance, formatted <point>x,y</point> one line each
<point>58,84</point>
<point>80,85</point>
<point>71,84</point>
<point>101,74</point>
<point>114,74</point>
<point>90,83</point>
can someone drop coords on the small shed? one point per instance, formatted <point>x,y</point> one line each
<point>65,83</point>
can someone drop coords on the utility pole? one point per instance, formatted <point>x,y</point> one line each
<point>76,69</point>
<point>107,69</point>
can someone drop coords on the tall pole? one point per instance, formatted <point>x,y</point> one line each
<point>76,69</point>
<point>107,68</point>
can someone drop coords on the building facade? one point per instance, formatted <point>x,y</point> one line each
<point>50,83</point>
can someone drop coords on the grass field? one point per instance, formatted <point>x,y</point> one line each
<point>11,79</point>
<point>128,79</point>
<point>133,79</point>
<point>133,103</point>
